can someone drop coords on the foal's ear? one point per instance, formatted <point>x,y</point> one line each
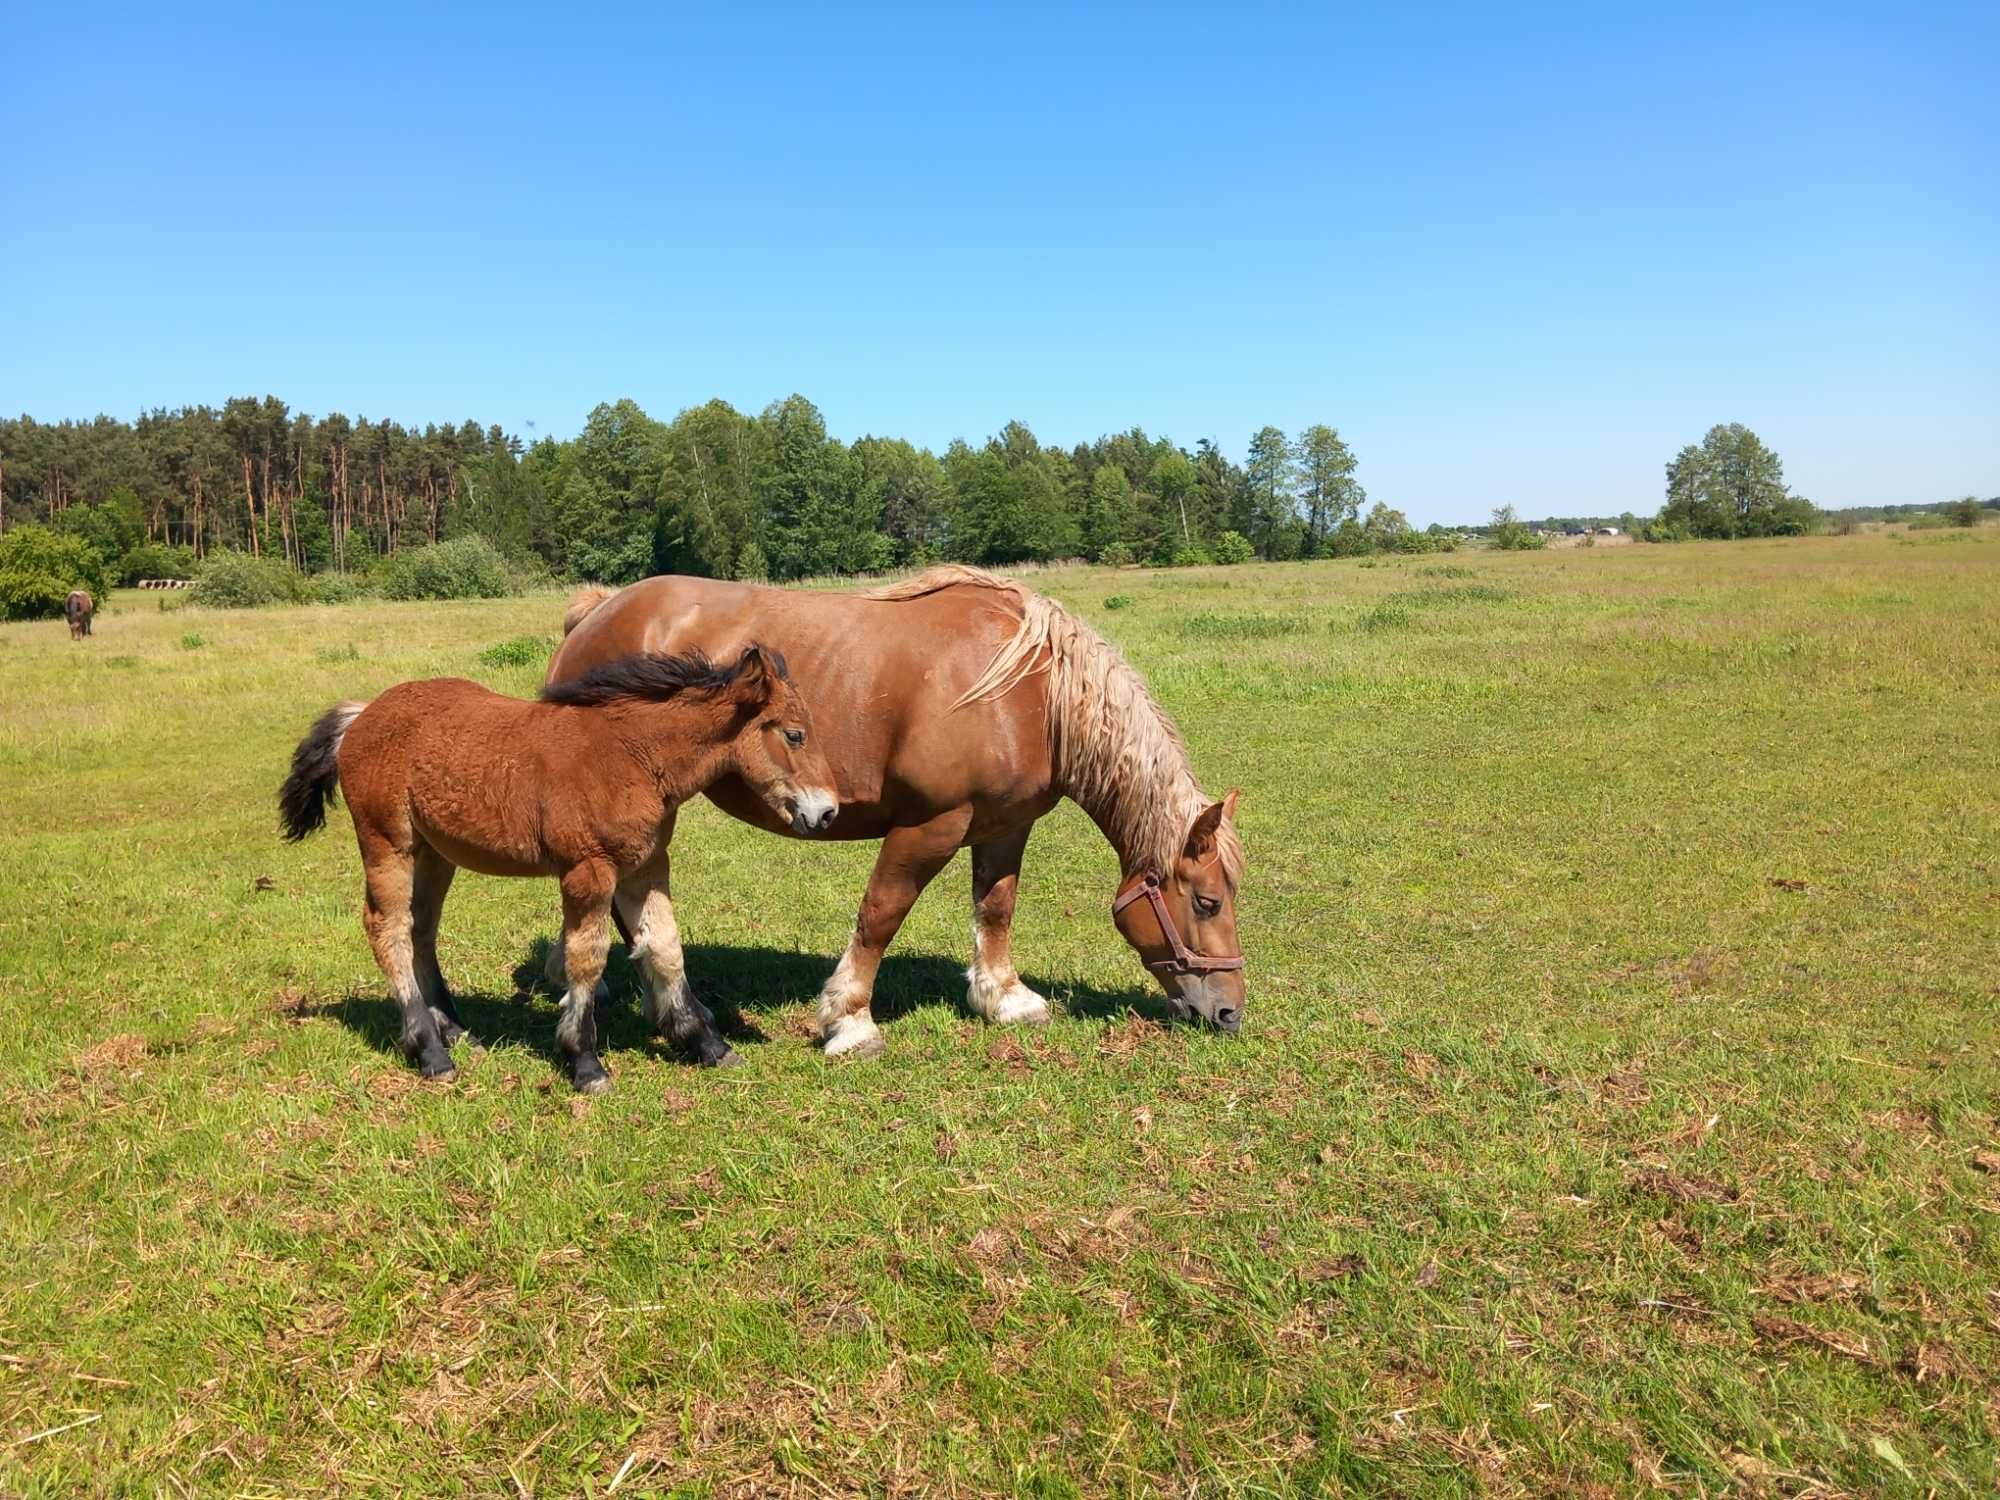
<point>1201,837</point>
<point>756,672</point>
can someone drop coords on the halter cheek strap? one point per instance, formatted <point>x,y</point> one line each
<point>1184,960</point>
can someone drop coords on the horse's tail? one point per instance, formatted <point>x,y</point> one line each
<point>582,602</point>
<point>308,791</point>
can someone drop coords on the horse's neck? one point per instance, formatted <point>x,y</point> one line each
<point>1120,761</point>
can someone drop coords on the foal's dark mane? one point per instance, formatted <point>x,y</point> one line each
<point>653,676</point>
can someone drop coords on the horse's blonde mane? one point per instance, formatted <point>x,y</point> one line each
<point>1115,751</point>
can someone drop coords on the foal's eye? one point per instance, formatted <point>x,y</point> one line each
<point>1205,907</point>
<point>795,737</point>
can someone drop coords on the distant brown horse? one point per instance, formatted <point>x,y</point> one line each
<point>77,609</point>
<point>583,785</point>
<point>956,709</point>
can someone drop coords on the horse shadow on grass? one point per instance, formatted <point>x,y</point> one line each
<point>736,983</point>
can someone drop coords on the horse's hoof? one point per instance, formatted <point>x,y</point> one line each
<point>601,1084</point>
<point>730,1058</point>
<point>440,1075</point>
<point>856,1042</point>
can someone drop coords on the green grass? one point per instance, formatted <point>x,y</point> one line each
<point>1617,1103</point>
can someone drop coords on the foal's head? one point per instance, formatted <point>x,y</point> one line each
<point>1182,921</point>
<point>774,753</point>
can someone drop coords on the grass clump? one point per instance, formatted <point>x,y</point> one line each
<point>1119,601</point>
<point>1211,626</point>
<point>192,641</point>
<point>521,651</point>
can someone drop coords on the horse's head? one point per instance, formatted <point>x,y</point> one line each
<point>775,753</point>
<point>1182,922</point>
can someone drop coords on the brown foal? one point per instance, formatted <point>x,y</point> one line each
<point>444,775</point>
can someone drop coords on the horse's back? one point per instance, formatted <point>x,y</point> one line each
<point>880,675</point>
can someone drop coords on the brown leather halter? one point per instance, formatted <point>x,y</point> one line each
<point>1184,960</point>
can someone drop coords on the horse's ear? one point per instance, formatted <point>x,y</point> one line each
<point>1201,837</point>
<point>1229,803</point>
<point>755,673</point>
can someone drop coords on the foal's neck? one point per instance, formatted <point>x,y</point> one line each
<point>682,746</point>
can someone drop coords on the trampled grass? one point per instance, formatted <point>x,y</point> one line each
<point>1618,1105</point>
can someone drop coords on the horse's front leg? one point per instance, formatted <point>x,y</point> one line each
<point>909,858</point>
<point>587,891</point>
<point>993,989</point>
<point>646,906</point>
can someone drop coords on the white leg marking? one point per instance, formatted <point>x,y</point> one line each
<point>999,995</point>
<point>844,1023</point>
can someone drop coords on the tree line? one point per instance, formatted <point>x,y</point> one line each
<point>715,491</point>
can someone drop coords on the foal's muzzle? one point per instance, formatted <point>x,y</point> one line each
<point>813,812</point>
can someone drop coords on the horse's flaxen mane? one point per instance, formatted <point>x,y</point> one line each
<point>1116,753</point>
<point>652,676</point>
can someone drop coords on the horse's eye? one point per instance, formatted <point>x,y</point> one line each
<point>795,737</point>
<point>1205,907</point>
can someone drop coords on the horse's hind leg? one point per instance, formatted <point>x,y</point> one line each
<point>993,988</point>
<point>430,884</point>
<point>388,918</point>
<point>587,892</point>
<point>671,1008</point>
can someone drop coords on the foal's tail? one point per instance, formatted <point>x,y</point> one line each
<point>308,791</point>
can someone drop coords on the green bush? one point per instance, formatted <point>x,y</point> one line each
<point>191,641</point>
<point>236,580</point>
<point>1233,547</point>
<point>1117,555</point>
<point>156,560</point>
<point>752,566</point>
<point>1118,601</point>
<point>39,567</point>
<point>1190,555</point>
<point>342,588</point>
<point>467,567</point>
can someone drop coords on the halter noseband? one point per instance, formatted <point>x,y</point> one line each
<point>1185,960</point>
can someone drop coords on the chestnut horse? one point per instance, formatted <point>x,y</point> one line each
<point>956,708</point>
<point>77,609</point>
<point>443,775</point>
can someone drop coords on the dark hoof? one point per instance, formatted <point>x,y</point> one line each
<point>444,1074</point>
<point>588,1074</point>
<point>729,1057</point>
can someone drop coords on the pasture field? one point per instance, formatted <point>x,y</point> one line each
<point>1618,1105</point>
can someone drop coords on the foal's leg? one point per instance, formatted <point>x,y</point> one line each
<point>993,989</point>
<point>387,918</point>
<point>648,913</point>
<point>431,883</point>
<point>908,860</point>
<point>556,972</point>
<point>587,891</point>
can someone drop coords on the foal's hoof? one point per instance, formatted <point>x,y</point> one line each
<point>729,1057</point>
<point>588,1074</point>
<point>601,1084</point>
<point>445,1074</point>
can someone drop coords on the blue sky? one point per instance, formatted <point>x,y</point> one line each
<point>1513,257</point>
